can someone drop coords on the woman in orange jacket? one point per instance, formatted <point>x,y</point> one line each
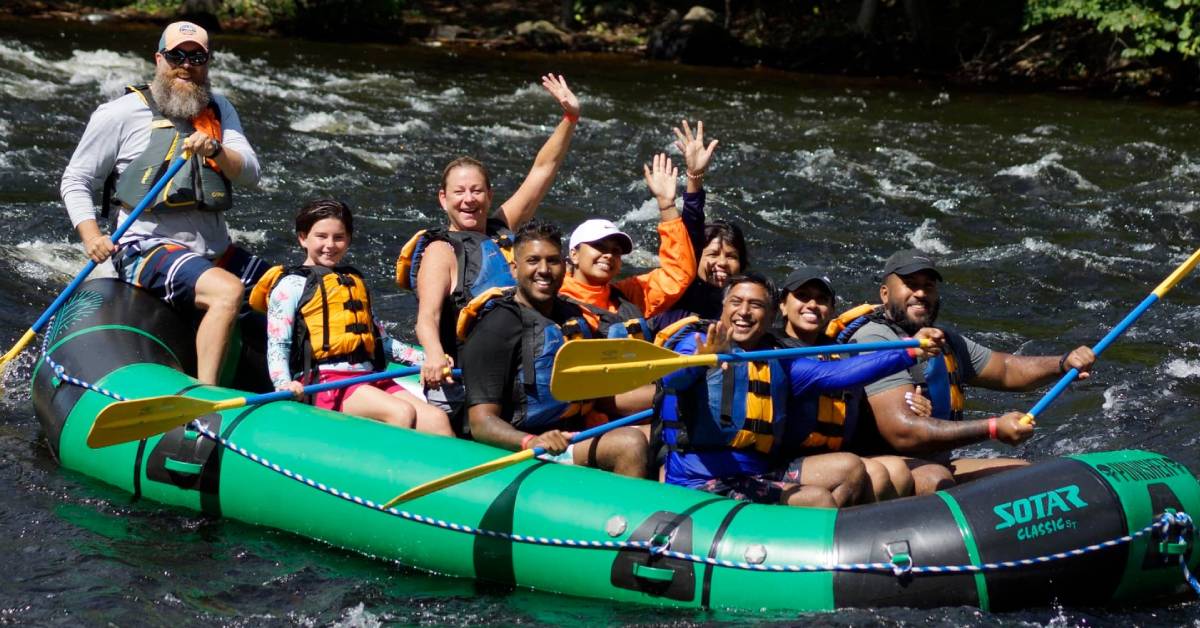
<point>596,247</point>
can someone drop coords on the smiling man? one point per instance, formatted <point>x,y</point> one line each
<point>723,426</point>
<point>910,296</point>
<point>511,338</point>
<point>180,248</point>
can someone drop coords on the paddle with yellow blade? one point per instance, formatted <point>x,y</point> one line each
<point>37,326</point>
<point>136,419</point>
<point>507,461</point>
<point>587,369</point>
<point>1152,298</point>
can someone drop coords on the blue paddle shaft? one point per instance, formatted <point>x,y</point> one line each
<point>774,354</point>
<point>1108,339</point>
<point>90,266</point>
<point>281,395</point>
<point>601,429</point>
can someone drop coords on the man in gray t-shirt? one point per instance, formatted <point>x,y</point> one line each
<point>179,248</point>
<point>910,299</point>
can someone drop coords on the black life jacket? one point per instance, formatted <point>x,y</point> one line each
<point>535,410</point>
<point>626,322</point>
<point>943,376</point>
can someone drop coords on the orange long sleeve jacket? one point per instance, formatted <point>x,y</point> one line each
<point>654,292</point>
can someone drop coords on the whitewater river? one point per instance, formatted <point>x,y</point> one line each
<point>1052,215</point>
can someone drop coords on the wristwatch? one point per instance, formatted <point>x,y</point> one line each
<point>220,147</point>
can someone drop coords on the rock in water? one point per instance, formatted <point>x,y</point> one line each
<point>542,35</point>
<point>696,39</point>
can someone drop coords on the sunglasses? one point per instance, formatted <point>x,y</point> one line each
<point>177,57</point>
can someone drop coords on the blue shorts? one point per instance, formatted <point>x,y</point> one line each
<point>170,271</point>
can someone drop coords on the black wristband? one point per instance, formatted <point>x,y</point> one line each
<point>220,149</point>
<point>1062,363</point>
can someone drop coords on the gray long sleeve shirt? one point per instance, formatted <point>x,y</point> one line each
<point>117,133</point>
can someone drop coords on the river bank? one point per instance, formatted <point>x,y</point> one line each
<point>964,47</point>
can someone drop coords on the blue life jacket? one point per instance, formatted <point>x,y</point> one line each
<point>482,264</point>
<point>727,425</point>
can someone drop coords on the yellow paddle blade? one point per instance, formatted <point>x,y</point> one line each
<point>136,419</point>
<point>587,369</point>
<point>18,348</point>
<point>459,477</point>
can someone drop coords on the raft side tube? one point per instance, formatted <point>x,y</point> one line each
<point>92,336</point>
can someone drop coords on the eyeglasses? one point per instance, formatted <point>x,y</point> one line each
<point>176,57</point>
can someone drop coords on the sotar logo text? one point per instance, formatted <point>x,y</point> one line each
<point>1040,506</point>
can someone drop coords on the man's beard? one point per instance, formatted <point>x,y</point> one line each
<point>179,100</point>
<point>898,314</point>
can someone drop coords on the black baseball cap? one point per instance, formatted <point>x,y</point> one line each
<point>909,261</point>
<point>805,274</point>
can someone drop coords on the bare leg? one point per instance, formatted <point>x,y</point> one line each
<point>219,294</point>
<point>623,451</point>
<point>898,473</point>
<point>880,479</point>
<point>967,469</point>
<point>929,477</point>
<point>842,474</point>
<point>812,496</point>
<point>371,403</point>
<point>430,419</point>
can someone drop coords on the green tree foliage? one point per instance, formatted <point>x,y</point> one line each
<point>1144,27</point>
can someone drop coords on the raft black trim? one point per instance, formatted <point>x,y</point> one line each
<point>137,471</point>
<point>706,592</point>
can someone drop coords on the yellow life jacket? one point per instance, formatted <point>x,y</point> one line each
<point>667,334</point>
<point>334,321</point>
<point>837,327</point>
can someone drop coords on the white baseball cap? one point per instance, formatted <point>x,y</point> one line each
<point>597,229</point>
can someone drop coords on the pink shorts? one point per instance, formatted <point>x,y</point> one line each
<point>333,399</point>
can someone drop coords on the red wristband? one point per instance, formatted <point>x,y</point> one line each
<point>573,119</point>
<point>992,428</point>
<point>912,352</point>
<point>525,441</point>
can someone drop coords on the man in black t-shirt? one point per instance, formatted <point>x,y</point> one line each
<point>508,356</point>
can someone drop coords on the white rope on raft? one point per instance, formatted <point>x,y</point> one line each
<point>1167,524</point>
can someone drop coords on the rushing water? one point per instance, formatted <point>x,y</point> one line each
<point>1053,215</point>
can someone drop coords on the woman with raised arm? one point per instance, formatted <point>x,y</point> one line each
<point>448,266</point>
<point>618,307</point>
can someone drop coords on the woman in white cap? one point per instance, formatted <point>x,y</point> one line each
<point>596,247</point>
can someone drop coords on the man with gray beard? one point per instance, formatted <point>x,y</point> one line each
<point>179,248</point>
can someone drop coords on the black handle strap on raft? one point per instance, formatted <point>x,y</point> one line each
<point>1172,530</point>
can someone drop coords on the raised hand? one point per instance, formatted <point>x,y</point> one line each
<point>719,339</point>
<point>661,178</point>
<point>695,154</point>
<point>557,87</point>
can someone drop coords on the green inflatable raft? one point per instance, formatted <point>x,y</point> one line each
<point>1081,530</point>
